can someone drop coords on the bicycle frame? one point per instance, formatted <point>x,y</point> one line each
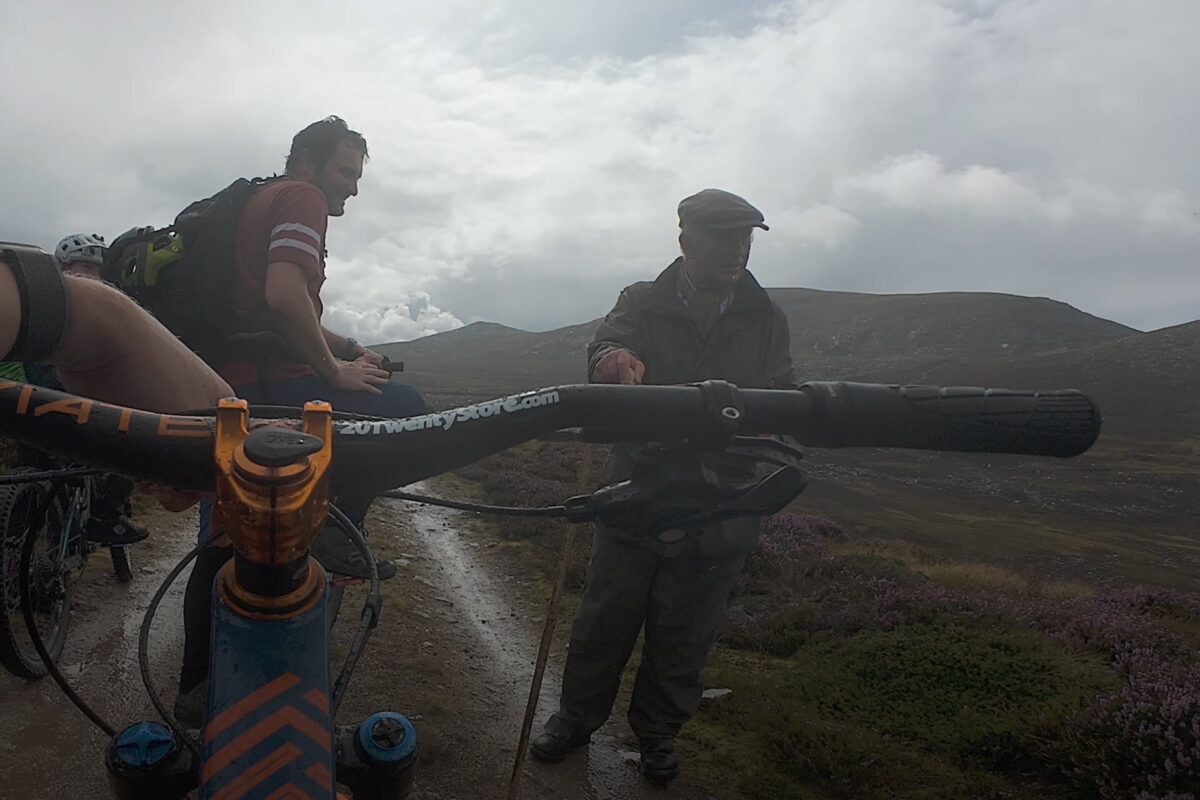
<point>78,506</point>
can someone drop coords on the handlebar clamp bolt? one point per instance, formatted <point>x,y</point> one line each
<point>278,447</point>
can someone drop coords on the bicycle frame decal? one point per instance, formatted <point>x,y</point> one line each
<point>185,427</point>
<point>445,420</point>
<point>78,407</point>
<point>83,409</point>
<point>272,734</point>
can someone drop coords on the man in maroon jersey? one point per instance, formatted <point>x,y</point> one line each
<point>278,274</point>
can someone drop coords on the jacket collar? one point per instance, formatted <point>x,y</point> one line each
<point>748,295</point>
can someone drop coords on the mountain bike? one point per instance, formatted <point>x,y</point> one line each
<point>60,553</point>
<point>270,730</point>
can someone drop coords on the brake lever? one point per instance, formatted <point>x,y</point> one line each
<point>670,489</point>
<point>761,449</point>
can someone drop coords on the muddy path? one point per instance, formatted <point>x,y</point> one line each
<point>48,749</point>
<point>454,649</point>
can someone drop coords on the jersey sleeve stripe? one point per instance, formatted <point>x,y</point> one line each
<point>296,244</point>
<point>297,228</point>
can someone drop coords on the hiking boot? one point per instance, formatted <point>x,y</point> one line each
<point>120,530</point>
<point>658,759</point>
<point>338,555</point>
<point>555,741</point>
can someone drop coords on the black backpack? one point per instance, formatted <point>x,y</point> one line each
<point>181,274</point>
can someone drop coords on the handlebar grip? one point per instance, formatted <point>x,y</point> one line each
<point>965,419</point>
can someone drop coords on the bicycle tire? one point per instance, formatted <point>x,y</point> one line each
<point>17,653</point>
<point>122,561</point>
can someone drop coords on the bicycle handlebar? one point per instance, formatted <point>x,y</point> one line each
<point>374,455</point>
<point>1060,423</point>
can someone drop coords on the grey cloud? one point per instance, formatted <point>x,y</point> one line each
<point>1066,262</point>
<point>527,156</point>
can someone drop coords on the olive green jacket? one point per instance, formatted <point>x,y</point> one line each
<point>747,346</point>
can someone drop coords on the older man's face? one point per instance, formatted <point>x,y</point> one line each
<point>716,258</point>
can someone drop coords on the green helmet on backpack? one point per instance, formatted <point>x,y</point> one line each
<point>136,257</point>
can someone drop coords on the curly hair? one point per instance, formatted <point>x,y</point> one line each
<point>320,139</point>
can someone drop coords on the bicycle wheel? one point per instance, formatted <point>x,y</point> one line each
<point>51,582</point>
<point>122,559</point>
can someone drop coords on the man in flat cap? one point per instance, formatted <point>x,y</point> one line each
<point>704,317</point>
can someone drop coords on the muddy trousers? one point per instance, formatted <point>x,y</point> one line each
<point>679,599</point>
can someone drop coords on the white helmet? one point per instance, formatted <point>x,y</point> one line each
<point>80,247</point>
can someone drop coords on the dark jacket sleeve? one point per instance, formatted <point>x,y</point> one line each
<point>780,372</point>
<point>620,330</point>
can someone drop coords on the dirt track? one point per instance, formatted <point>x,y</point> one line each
<point>454,649</point>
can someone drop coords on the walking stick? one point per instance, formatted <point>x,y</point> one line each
<point>535,689</point>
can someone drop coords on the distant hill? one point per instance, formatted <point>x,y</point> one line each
<point>852,334</point>
<point>1147,384</point>
<point>835,335</point>
<point>485,359</point>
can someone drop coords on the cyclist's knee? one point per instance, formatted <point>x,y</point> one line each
<point>403,400</point>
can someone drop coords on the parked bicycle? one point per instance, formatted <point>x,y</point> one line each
<point>60,552</point>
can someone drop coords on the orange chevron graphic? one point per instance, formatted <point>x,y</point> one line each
<point>241,708</point>
<point>289,792</point>
<point>319,774</point>
<point>259,733</point>
<point>259,772</point>
<point>319,699</point>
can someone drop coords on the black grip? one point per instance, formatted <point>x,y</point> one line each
<point>965,419</point>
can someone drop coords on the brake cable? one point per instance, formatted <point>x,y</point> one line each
<point>508,511</point>
<point>372,606</point>
<point>26,596</point>
<point>370,617</point>
<point>144,647</point>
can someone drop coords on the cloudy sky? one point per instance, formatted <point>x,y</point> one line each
<point>528,155</point>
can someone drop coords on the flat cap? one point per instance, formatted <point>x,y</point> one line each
<point>716,208</point>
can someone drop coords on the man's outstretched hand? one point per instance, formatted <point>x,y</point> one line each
<point>619,366</point>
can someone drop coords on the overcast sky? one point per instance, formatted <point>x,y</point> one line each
<point>528,155</point>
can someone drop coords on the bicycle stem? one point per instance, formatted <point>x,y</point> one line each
<point>272,499</point>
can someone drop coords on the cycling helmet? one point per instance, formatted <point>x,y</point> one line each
<point>129,237</point>
<point>80,247</point>
<point>137,256</point>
